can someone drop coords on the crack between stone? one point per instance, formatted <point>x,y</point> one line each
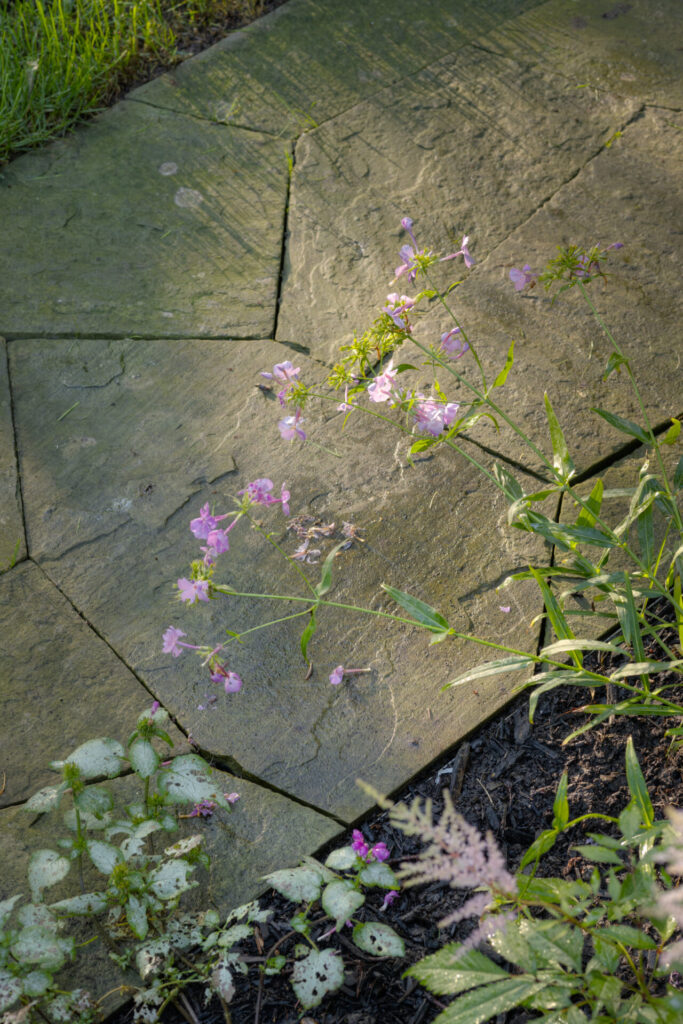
<point>202,117</point>
<point>291,163</point>
<point>627,449</point>
<point>234,768</point>
<point>15,447</point>
<point>78,335</point>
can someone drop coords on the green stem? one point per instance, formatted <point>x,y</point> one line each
<point>460,328</point>
<point>273,543</point>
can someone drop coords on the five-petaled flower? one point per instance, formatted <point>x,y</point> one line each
<point>382,387</point>
<point>173,644</point>
<point>523,278</point>
<point>453,343</point>
<point>193,590</point>
<point>290,428</point>
<point>433,417</point>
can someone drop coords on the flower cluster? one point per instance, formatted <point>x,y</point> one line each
<point>367,853</point>
<point>218,672</point>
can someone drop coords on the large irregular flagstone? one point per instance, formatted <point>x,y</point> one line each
<point>629,193</point>
<point>186,423</point>
<point>472,145</point>
<point>12,542</point>
<point>630,47</point>
<point>310,59</point>
<point>144,222</point>
<point>61,684</point>
<point>264,832</point>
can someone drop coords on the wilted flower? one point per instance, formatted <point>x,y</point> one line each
<point>390,897</point>
<point>337,675</point>
<point>204,809</point>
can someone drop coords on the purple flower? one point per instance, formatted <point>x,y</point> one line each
<point>284,498</point>
<point>380,851</point>
<point>285,372</point>
<point>389,899</point>
<point>396,306</point>
<point>453,344</point>
<point>381,389</point>
<point>344,406</point>
<point>204,809</point>
<point>462,251</point>
<point>230,680</point>
<point>337,675</point>
<point>171,641</point>
<point>289,427</point>
<point>155,705</point>
<point>193,590</point>
<point>407,225</point>
<point>359,845</point>
<point>408,263</point>
<point>302,553</point>
<point>259,490</point>
<point>202,526</point>
<point>522,278</point>
<point>505,608</point>
<point>433,417</point>
<point>232,798</point>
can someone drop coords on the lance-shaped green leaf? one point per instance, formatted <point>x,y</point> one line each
<point>626,935</point>
<point>143,758</point>
<point>638,668</point>
<point>307,634</point>
<point>188,780</point>
<point>557,617</point>
<point>564,646</point>
<point>423,613</point>
<point>300,885</point>
<point>502,376</point>
<point>326,570</point>
<point>625,426</point>
<point>673,432</point>
<point>614,363</point>
<point>492,668</point>
<point>485,1003</point>
<point>340,900</point>
<point>320,972</point>
<point>561,458</point>
<point>541,844</point>
<point>678,475</point>
<point>508,484</point>
<point>637,785</point>
<point>423,444</point>
<point>95,758</point>
<point>46,868</point>
<point>561,804</point>
<point>378,939</point>
<point>629,619</point>
<point>592,506</point>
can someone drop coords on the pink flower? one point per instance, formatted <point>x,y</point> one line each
<point>337,675</point>
<point>259,490</point>
<point>462,251</point>
<point>232,798</point>
<point>407,225</point>
<point>202,526</point>
<point>389,899</point>
<point>359,845</point>
<point>396,306</point>
<point>433,417</point>
<point>193,590</point>
<point>204,808</point>
<point>408,263</point>
<point>285,372</point>
<point>453,344</point>
<point>302,553</point>
<point>172,643</point>
<point>284,498</point>
<point>289,427</point>
<point>381,389</point>
<point>231,681</point>
<point>380,851</point>
<point>344,406</point>
<point>522,278</point>
<point>155,706</point>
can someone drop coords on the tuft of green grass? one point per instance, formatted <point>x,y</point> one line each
<point>62,60</point>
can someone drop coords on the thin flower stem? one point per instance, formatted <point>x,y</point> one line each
<point>274,544</point>
<point>460,328</point>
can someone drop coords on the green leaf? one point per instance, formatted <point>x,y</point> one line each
<point>556,942</point>
<point>424,614</point>
<point>36,984</point>
<point>672,433</point>
<point>40,946</point>
<point>564,646</point>
<point>378,873</point>
<point>340,900</point>
<point>678,475</point>
<point>136,916</point>
<point>591,509</point>
<point>486,1002</point>
<point>450,971</point>
<point>561,458</point>
<point>320,972</point>
<point>508,484</point>
<point>541,844</point>
<point>188,780</point>
<point>6,907</point>
<point>402,367</point>
<point>555,613</point>
<point>630,820</point>
<point>492,668</point>
<point>46,868</point>
<point>94,800</point>
<point>170,879</point>
<point>625,934</point>
<point>625,426</point>
<point>87,903</point>
<point>615,362</point>
<point>326,570</point>
<point>561,804</point>
<point>221,980</point>
<point>95,758</point>
<point>10,989</point>
<point>342,859</point>
<point>502,376</point>
<point>378,939</point>
<point>422,444</point>
<point>45,799</point>
<point>637,785</point>
<point>104,856</point>
<point>646,535</point>
<point>599,855</point>
<point>300,885</point>
<point>143,758</point>
<point>307,634</point>
<point>605,954</point>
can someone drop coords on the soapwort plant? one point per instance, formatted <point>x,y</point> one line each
<point>594,948</point>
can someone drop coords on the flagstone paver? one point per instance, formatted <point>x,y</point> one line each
<point>12,542</point>
<point>62,685</point>
<point>472,145</point>
<point>307,61</point>
<point>145,222</point>
<point>109,523</point>
<point>242,845</point>
<point>257,190</point>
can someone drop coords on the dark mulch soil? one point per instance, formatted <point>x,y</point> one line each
<point>504,779</point>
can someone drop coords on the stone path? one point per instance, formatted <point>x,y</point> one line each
<point>245,209</point>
